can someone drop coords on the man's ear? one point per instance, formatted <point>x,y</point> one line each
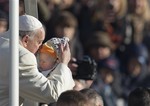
<point>25,40</point>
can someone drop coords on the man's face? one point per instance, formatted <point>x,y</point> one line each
<point>33,43</point>
<point>3,26</point>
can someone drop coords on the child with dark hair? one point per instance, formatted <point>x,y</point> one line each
<point>72,98</point>
<point>104,86</point>
<point>139,97</point>
<point>135,73</point>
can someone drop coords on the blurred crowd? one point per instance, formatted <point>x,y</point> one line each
<point>115,33</point>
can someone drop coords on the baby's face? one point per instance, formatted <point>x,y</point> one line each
<point>46,61</point>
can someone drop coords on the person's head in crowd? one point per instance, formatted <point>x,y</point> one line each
<point>94,98</point>
<point>107,74</point>
<point>31,33</point>
<point>65,24</point>
<point>110,10</point>
<point>47,57</point>
<point>139,97</point>
<point>85,74</point>
<point>21,7</point>
<point>3,21</point>
<point>99,45</point>
<point>51,4</point>
<point>72,98</point>
<point>65,4</point>
<point>140,8</point>
<point>134,67</point>
<point>137,59</point>
<point>139,18</point>
<point>60,4</point>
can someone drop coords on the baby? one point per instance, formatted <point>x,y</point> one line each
<point>48,54</point>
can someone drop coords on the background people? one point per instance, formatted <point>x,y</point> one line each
<point>94,98</point>
<point>72,98</point>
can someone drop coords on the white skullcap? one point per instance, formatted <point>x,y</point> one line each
<point>29,23</point>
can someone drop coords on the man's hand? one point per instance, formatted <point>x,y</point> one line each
<point>65,54</point>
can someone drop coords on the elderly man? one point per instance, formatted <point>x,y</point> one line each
<point>32,84</point>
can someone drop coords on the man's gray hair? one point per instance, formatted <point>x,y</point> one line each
<point>29,33</point>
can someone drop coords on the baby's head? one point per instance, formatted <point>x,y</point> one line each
<point>47,57</point>
<point>49,53</point>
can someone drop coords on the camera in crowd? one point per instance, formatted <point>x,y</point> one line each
<point>87,68</point>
